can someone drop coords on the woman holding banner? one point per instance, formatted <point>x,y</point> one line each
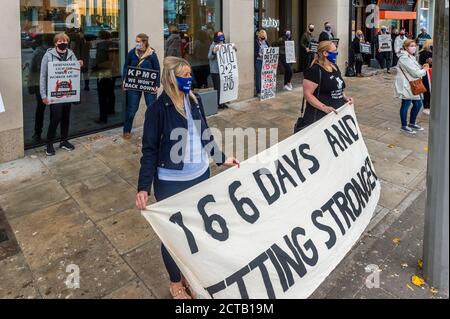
<point>260,44</point>
<point>219,39</point>
<point>143,57</point>
<point>323,87</point>
<point>59,112</point>
<point>177,109</point>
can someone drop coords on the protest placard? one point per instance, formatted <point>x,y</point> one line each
<point>229,73</point>
<point>269,73</point>
<point>63,82</point>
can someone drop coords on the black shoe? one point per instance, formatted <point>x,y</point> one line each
<point>50,150</point>
<point>67,146</point>
<point>37,138</point>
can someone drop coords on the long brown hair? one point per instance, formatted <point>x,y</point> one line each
<point>173,67</point>
<point>320,58</point>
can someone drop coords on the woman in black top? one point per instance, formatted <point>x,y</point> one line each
<point>426,57</point>
<point>323,86</point>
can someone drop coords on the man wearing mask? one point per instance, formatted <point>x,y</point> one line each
<point>288,72</point>
<point>327,34</point>
<point>422,37</point>
<point>399,40</point>
<point>383,57</point>
<point>305,45</point>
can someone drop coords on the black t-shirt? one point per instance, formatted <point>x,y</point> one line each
<point>330,90</point>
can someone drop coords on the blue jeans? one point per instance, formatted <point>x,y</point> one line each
<point>133,100</point>
<point>164,190</point>
<point>417,105</point>
<point>258,71</point>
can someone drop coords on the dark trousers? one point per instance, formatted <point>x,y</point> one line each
<point>287,70</point>
<point>59,115</point>
<point>394,59</point>
<point>385,60</point>
<point>258,72</point>
<point>417,105</point>
<point>216,83</point>
<point>133,100</point>
<point>40,111</point>
<point>164,190</point>
<point>358,66</point>
<point>106,98</point>
<point>201,76</point>
<point>426,95</point>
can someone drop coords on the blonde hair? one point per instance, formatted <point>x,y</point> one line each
<point>61,37</point>
<point>173,67</point>
<point>426,46</point>
<point>262,33</point>
<point>407,43</point>
<point>320,58</point>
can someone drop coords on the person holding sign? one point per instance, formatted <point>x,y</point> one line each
<point>357,54</point>
<point>422,37</point>
<point>408,75</point>
<point>260,44</point>
<point>306,47</point>
<point>288,73</point>
<point>142,56</point>
<point>170,169</point>
<point>59,112</point>
<point>383,43</point>
<point>323,87</point>
<point>219,39</point>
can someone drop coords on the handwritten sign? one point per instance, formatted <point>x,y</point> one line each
<point>229,73</point>
<point>269,73</point>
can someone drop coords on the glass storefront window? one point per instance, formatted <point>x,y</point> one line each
<point>189,27</point>
<point>97,32</point>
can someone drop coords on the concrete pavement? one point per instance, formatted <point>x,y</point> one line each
<point>78,208</point>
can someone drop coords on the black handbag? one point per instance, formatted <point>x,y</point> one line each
<point>301,123</point>
<point>349,71</point>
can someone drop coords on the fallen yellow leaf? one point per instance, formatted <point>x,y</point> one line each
<point>434,291</point>
<point>391,146</point>
<point>420,264</point>
<point>418,281</point>
<point>396,240</point>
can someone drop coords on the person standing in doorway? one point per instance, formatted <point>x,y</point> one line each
<point>219,39</point>
<point>173,43</point>
<point>399,40</point>
<point>305,45</point>
<point>394,35</point>
<point>409,70</point>
<point>422,37</point>
<point>327,34</point>
<point>142,56</point>
<point>288,73</point>
<point>176,109</point>
<point>261,43</point>
<point>60,112</point>
<point>356,50</point>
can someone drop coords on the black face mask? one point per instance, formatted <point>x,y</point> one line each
<point>62,46</point>
<point>311,30</point>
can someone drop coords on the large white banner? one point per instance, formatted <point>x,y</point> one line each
<point>290,52</point>
<point>277,226</point>
<point>269,73</point>
<point>229,73</point>
<point>2,105</point>
<point>63,84</point>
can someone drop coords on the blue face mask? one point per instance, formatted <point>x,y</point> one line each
<point>138,46</point>
<point>332,57</point>
<point>328,28</point>
<point>220,38</point>
<point>184,84</point>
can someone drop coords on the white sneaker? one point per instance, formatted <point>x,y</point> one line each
<point>287,88</point>
<point>290,85</point>
<point>426,111</point>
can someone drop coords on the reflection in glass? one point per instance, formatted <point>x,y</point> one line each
<point>189,27</point>
<point>96,32</point>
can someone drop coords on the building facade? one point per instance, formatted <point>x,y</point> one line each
<point>102,32</point>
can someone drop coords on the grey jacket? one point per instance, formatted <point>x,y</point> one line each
<point>408,70</point>
<point>213,63</point>
<point>50,56</point>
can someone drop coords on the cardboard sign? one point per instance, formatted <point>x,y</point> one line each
<point>269,73</point>
<point>280,224</point>
<point>313,46</point>
<point>229,73</point>
<point>63,82</point>
<point>142,80</point>
<point>385,42</point>
<point>290,52</point>
<point>365,48</point>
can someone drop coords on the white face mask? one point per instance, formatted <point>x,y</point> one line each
<point>412,50</point>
